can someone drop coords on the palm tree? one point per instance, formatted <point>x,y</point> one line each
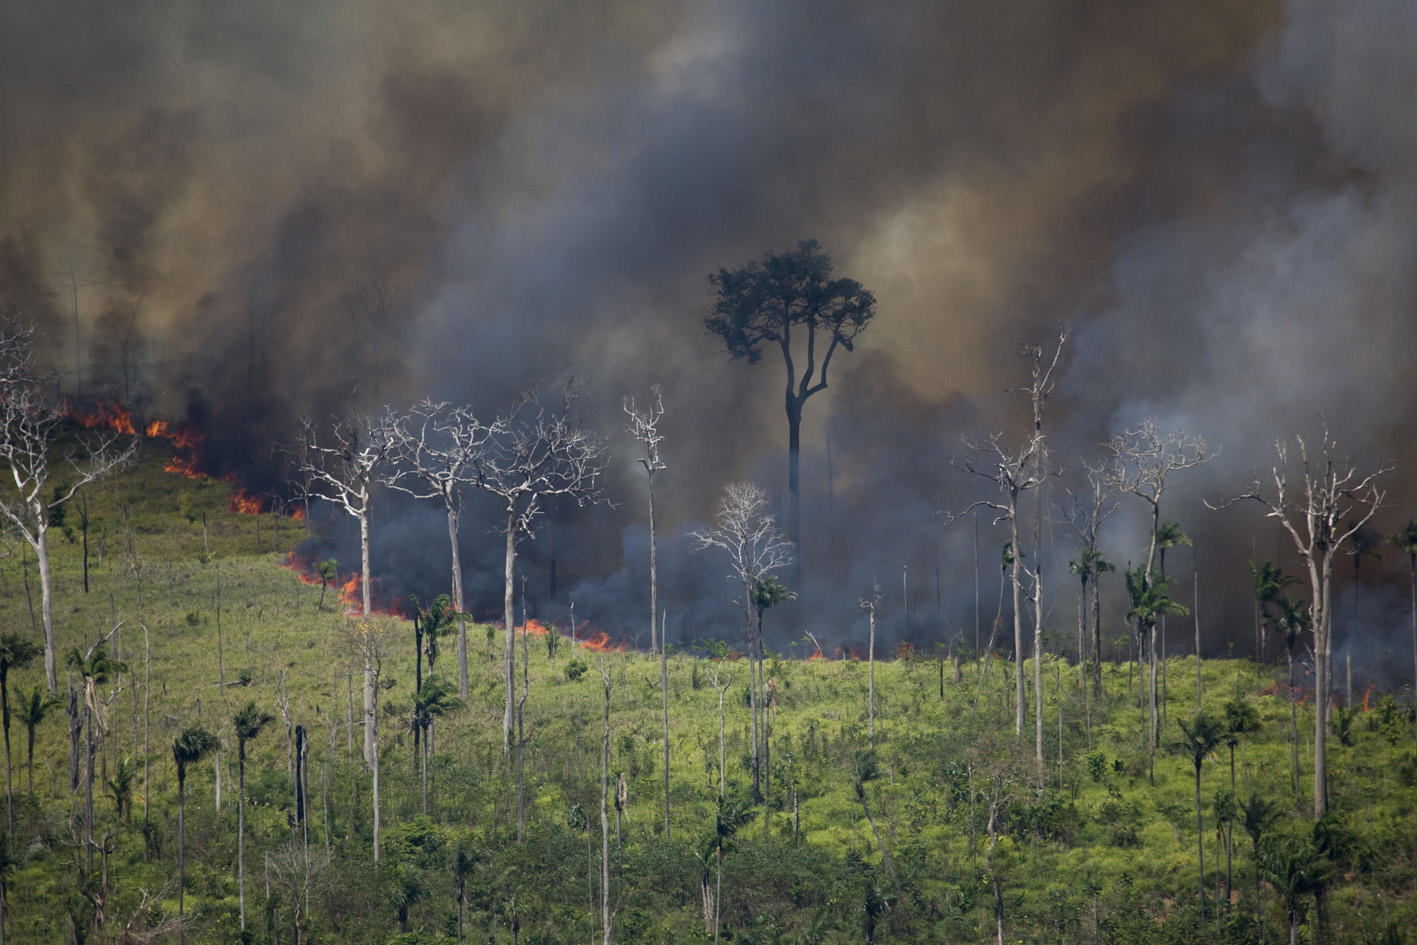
<point>1240,719</point>
<point>120,786</point>
<point>1296,870</point>
<point>433,701</point>
<point>1200,739</point>
<point>189,748</point>
<point>96,668</point>
<point>730,817</point>
<point>1168,535</point>
<point>33,709</point>
<point>15,651</point>
<point>1406,542</point>
<point>327,570</point>
<point>1258,815</point>
<point>248,724</point>
<point>1089,567</point>
<point>1268,579</point>
<point>1149,604</point>
<point>463,865</point>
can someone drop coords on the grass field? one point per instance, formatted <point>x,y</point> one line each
<point>1084,849</point>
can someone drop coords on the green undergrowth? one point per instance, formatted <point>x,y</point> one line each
<point>1091,845</point>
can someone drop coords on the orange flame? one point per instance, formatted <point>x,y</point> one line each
<point>183,466</point>
<point>1366,696</point>
<point>107,415</point>
<point>303,567</point>
<point>244,503</point>
<point>599,642</point>
<point>535,628</point>
<point>351,594</point>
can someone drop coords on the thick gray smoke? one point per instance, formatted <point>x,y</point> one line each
<point>1217,197</point>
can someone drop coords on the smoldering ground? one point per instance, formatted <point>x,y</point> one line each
<point>1215,196</point>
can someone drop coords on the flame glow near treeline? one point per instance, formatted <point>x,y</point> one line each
<point>232,216</point>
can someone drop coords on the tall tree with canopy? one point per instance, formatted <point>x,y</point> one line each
<point>1321,505</point>
<point>542,447</point>
<point>29,426</point>
<point>792,301</point>
<point>432,450</point>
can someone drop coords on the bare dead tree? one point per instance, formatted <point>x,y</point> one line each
<point>643,425</point>
<point>1142,460</point>
<point>748,531</point>
<point>1013,472</point>
<point>432,450</point>
<point>542,447</point>
<point>343,469</point>
<point>1321,505</point>
<point>29,424</point>
<point>1039,389</point>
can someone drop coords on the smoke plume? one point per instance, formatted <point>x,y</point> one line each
<point>244,214</point>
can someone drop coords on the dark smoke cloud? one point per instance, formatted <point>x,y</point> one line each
<point>1216,196</point>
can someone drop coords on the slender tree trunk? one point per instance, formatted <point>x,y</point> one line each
<point>605,821</point>
<point>181,853</point>
<point>861,796</point>
<point>871,679</point>
<point>1038,665</point>
<point>794,493</point>
<point>1196,612</point>
<point>508,618</point>
<point>241,828</point>
<point>1323,656</point>
<point>664,692</point>
<point>1293,723</point>
<point>1020,698</point>
<point>147,705</point>
<point>458,605</point>
<point>371,732</point>
<point>1200,839</point>
<point>377,822</point>
<point>46,597</point>
<point>654,641</point>
<point>721,757</point>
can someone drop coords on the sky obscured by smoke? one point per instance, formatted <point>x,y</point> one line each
<point>1217,197</point>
